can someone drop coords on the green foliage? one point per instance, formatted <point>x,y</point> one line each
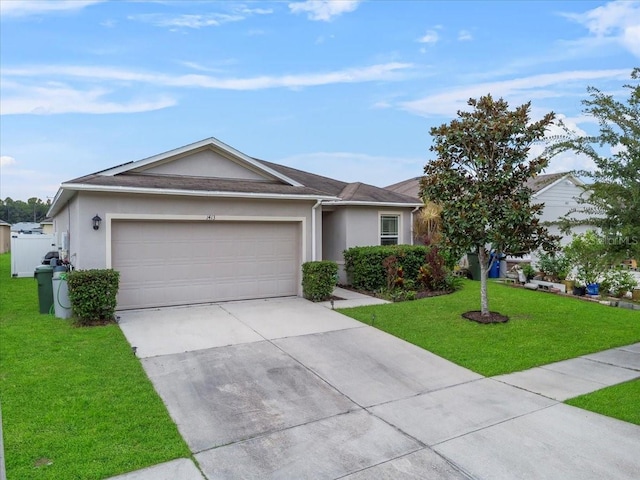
<point>479,179</point>
<point>587,253</point>
<point>319,280</point>
<point>14,211</point>
<point>612,200</point>
<point>365,265</point>
<point>93,294</point>
<point>528,271</point>
<point>618,281</point>
<point>554,264</point>
<point>433,275</point>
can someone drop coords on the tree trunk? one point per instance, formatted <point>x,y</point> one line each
<point>484,270</point>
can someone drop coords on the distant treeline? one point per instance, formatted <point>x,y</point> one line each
<point>14,211</point>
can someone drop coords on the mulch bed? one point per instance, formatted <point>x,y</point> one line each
<point>493,317</point>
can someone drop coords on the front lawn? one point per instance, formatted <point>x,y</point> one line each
<point>543,328</point>
<point>76,403</point>
<point>618,401</point>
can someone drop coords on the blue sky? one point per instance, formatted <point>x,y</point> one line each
<point>347,89</point>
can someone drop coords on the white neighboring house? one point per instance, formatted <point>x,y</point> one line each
<point>557,191</point>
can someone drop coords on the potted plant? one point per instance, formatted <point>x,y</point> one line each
<point>528,271</point>
<point>555,266</point>
<point>579,290</point>
<point>586,253</point>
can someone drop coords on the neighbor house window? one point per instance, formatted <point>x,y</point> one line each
<point>389,229</point>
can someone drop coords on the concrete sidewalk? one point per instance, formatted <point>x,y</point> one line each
<point>285,388</point>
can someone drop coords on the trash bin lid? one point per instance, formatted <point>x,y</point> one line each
<point>44,269</point>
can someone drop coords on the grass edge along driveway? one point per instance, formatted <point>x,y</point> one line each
<point>76,403</point>
<point>543,328</point>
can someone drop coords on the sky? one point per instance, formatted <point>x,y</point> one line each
<point>348,89</point>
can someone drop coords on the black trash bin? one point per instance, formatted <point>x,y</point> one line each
<point>474,265</point>
<point>43,274</point>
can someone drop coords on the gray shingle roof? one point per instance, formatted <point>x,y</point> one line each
<point>348,192</point>
<point>411,186</point>
<point>312,185</point>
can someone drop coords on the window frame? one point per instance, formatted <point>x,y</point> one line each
<point>382,235</point>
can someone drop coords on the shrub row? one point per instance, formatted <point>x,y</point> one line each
<point>93,294</point>
<point>319,280</point>
<point>365,265</point>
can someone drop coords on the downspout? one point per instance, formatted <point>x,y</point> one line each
<point>412,212</point>
<point>313,231</point>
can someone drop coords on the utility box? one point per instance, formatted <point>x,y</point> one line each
<point>43,275</point>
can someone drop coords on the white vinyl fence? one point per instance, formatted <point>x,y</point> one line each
<point>27,251</point>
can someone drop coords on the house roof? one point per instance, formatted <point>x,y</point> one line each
<point>541,182</point>
<point>409,187</point>
<point>352,193</point>
<point>279,182</point>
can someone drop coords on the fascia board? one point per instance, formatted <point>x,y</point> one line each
<point>191,193</point>
<point>374,204</point>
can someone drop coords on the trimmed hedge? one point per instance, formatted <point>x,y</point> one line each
<point>365,265</point>
<point>93,294</point>
<point>319,280</point>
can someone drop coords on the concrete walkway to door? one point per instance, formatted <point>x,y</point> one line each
<point>288,389</point>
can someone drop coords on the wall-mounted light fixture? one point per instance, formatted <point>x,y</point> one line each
<point>96,222</point>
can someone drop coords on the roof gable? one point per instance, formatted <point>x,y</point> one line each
<point>207,163</point>
<point>218,158</point>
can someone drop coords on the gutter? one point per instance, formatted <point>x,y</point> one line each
<point>79,187</point>
<point>412,212</point>
<point>314,246</point>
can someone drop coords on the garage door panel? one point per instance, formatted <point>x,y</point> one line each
<point>164,263</point>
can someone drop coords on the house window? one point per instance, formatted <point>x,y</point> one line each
<point>389,229</point>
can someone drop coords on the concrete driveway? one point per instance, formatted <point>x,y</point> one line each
<point>288,389</point>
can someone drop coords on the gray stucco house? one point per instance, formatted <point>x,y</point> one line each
<point>205,223</point>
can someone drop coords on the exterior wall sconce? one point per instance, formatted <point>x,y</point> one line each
<point>96,222</point>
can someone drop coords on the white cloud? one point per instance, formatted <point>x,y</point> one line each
<point>57,98</point>
<point>7,161</point>
<point>519,90</point>
<point>376,170</point>
<point>385,71</point>
<point>430,37</point>
<point>464,35</point>
<point>324,10</point>
<point>23,8</point>
<point>618,21</point>
<point>186,20</point>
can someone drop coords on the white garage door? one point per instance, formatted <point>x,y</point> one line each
<point>178,263</point>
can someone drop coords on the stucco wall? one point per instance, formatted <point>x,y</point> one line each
<point>88,247</point>
<point>5,238</point>
<point>356,226</point>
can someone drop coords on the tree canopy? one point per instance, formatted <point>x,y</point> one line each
<point>612,202</point>
<point>14,211</point>
<point>479,178</point>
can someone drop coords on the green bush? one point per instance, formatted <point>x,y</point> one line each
<point>319,280</point>
<point>365,265</point>
<point>93,295</point>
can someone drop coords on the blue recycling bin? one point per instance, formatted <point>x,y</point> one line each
<point>494,271</point>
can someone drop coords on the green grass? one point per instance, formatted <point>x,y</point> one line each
<point>619,401</point>
<point>76,403</point>
<point>543,328</point>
